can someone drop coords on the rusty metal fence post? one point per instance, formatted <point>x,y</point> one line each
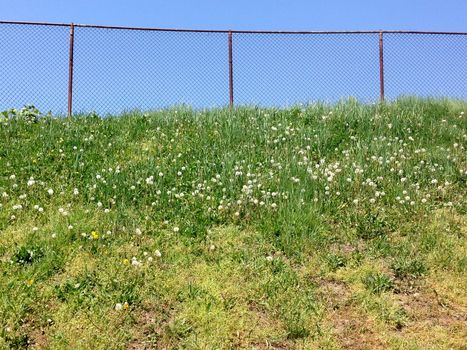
<point>231,93</point>
<point>70,70</point>
<point>381,67</point>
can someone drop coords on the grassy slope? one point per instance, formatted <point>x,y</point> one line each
<point>323,227</point>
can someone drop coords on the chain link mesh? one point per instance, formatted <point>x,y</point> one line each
<point>425,65</point>
<point>117,69</point>
<point>126,69</point>
<point>34,66</point>
<point>285,69</point>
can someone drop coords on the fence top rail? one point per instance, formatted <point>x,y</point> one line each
<point>234,31</point>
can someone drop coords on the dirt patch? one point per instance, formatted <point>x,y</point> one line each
<point>276,345</point>
<point>39,339</point>
<point>354,330</point>
<point>427,308</point>
<point>35,333</point>
<point>264,320</point>
<point>333,293</point>
<point>434,322</point>
<point>351,327</point>
<point>346,248</point>
<point>151,324</point>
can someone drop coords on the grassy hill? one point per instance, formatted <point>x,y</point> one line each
<point>330,227</point>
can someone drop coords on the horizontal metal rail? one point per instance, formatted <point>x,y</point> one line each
<point>236,31</point>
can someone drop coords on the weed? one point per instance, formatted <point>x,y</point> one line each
<point>27,255</point>
<point>378,282</point>
<point>407,267</point>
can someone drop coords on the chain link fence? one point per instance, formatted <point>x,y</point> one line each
<point>67,68</point>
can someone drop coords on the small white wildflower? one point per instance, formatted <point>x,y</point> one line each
<point>157,253</point>
<point>176,229</point>
<point>118,307</point>
<point>138,231</point>
<point>50,191</point>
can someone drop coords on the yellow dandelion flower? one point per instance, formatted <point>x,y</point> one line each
<point>126,261</point>
<point>94,235</point>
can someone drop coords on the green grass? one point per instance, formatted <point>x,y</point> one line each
<point>318,227</point>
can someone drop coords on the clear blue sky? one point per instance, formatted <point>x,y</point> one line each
<point>437,15</point>
<point>116,70</point>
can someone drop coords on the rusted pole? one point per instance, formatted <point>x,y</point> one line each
<point>70,70</point>
<point>231,94</point>
<point>381,68</point>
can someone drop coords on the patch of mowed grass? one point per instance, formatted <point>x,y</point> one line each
<point>320,226</point>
